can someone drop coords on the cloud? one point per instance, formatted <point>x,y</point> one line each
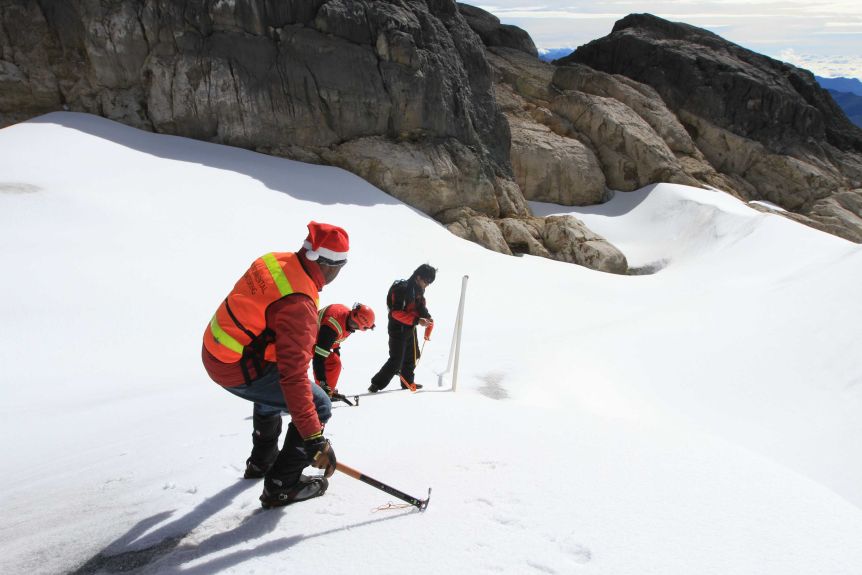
<point>554,14</point>
<point>826,66</point>
<point>827,33</point>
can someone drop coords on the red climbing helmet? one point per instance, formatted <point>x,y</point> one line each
<point>362,316</point>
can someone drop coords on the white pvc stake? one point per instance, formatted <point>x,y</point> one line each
<point>459,325</point>
<point>454,349</point>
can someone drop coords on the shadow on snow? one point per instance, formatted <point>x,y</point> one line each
<point>302,181</point>
<point>117,557</point>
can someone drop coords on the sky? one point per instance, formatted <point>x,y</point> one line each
<point>703,419</point>
<point>824,37</point>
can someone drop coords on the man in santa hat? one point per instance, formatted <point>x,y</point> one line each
<point>258,346</point>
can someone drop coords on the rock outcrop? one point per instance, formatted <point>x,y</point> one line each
<point>296,78</point>
<point>657,101</point>
<point>766,127</point>
<point>578,133</point>
<point>396,91</point>
<point>494,33</point>
<point>563,238</point>
<point>447,109</point>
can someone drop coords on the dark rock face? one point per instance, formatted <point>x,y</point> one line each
<point>697,71</point>
<point>767,127</point>
<point>261,74</point>
<point>495,34</point>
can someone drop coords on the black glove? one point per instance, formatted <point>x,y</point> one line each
<point>325,387</point>
<point>320,454</point>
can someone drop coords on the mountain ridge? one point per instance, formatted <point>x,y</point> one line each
<point>841,84</point>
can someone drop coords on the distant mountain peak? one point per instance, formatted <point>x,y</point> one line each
<point>841,84</point>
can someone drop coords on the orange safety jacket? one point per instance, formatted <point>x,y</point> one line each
<point>334,316</point>
<point>238,328</point>
<point>327,351</point>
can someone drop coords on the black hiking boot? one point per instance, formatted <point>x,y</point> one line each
<point>265,445</point>
<point>275,494</point>
<point>411,386</point>
<point>373,389</point>
<point>253,470</point>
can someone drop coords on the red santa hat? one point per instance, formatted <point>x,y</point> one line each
<point>326,244</point>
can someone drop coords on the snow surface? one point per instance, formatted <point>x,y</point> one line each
<point>702,419</point>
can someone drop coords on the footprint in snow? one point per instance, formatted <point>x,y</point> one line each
<point>508,521</point>
<point>539,567</point>
<point>493,387</point>
<point>579,553</point>
<point>575,551</point>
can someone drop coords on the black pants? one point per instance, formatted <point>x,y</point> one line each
<point>403,353</point>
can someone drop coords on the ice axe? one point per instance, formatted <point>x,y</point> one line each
<point>342,397</point>
<point>420,504</point>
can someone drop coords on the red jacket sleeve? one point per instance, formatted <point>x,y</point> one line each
<point>405,317</point>
<point>294,321</point>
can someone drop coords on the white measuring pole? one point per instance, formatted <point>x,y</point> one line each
<point>455,348</point>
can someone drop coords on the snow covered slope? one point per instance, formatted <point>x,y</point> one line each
<point>702,419</point>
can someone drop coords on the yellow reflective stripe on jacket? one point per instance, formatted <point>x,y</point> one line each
<point>223,338</point>
<point>337,326</point>
<point>321,352</point>
<point>269,278</point>
<point>277,274</point>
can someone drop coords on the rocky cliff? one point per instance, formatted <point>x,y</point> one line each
<point>446,108</point>
<point>768,128</point>
<point>657,101</point>
<point>307,78</point>
<point>396,91</point>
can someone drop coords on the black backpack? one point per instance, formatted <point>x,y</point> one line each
<point>395,291</point>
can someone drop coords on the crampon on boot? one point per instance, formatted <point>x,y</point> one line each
<point>275,494</point>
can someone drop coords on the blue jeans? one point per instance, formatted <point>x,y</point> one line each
<point>265,392</point>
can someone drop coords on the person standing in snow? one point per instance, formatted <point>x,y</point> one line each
<point>407,309</point>
<point>259,345</point>
<point>337,322</point>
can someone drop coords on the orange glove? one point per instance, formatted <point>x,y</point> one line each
<point>428,329</point>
